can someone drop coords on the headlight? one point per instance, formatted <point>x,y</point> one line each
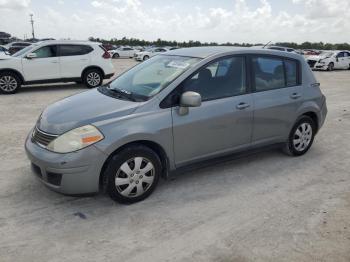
<point>75,139</point>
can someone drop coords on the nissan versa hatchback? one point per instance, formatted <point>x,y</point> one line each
<point>175,109</point>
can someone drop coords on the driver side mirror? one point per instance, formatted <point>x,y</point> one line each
<point>31,56</point>
<point>189,99</point>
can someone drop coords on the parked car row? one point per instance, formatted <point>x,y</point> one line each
<point>55,61</point>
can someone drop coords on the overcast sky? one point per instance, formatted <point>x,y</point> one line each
<point>220,21</point>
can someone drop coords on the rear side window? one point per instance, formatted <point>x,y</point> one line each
<point>74,50</point>
<point>268,73</point>
<point>291,72</point>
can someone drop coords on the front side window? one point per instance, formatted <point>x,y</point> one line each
<point>46,51</point>
<point>268,73</point>
<point>150,77</point>
<point>341,54</point>
<point>222,78</point>
<point>74,50</point>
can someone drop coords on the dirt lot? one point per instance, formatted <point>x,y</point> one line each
<point>265,207</point>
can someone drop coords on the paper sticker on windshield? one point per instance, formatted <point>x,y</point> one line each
<point>178,64</point>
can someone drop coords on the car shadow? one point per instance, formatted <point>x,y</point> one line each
<point>52,87</point>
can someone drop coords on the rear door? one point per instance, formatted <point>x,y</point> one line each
<point>44,66</point>
<point>341,61</point>
<point>74,59</point>
<point>224,120</point>
<point>277,95</point>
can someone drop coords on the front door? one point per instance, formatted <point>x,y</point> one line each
<point>44,66</point>
<point>224,120</point>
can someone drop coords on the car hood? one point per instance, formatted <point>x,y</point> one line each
<point>317,57</point>
<point>82,109</point>
<point>143,53</point>
<point>4,56</point>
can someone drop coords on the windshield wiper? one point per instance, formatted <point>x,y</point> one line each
<point>122,93</point>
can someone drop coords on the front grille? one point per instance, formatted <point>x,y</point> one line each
<point>311,63</point>
<point>41,138</point>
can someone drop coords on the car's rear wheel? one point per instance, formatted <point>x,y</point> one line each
<point>115,56</point>
<point>146,57</point>
<point>9,83</point>
<point>93,78</point>
<point>133,174</point>
<point>301,137</point>
<point>330,66</point>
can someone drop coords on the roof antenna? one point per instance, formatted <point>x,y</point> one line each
<point>267,44</point>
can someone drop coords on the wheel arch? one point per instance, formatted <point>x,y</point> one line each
<point>92,67</point>
<point>314,117</point>
<point>156,147</point>
<point>13,71</point>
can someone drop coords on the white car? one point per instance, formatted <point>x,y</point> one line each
<point>144,55</point>
<point>330,60</point>
<point>3,52</point>
<point>123,52</point>
<point>56,61</point>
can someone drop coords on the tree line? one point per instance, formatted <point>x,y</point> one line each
<point>191,43</point>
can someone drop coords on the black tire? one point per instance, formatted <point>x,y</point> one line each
<point>115,56</point>
<point>330,66</point>
<point>291,148</point>
<point>128,156</point>
<point>146,57</point>
<point>92,78</point>
<point>10,82</point>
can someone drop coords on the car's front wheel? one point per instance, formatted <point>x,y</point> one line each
<point>301,137</point>
<point>330,66</point>
<point>9,83</point>
<point>146,57</point>
<point>93,78</point>
<point>115,56</point>
<point>133,174</point>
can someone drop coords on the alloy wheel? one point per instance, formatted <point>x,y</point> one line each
<point>8,83</point>
<point>302,137</point>
<point>93,79</point>
<point>134,177</point>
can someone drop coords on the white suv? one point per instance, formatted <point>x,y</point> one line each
<point>56,61</point>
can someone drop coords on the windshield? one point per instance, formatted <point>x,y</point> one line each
<point>150,77</point>
<point>326,54</point>
<point>23,51</point>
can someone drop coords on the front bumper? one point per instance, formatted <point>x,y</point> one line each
<point>315,65</point>
<point>72,173</point>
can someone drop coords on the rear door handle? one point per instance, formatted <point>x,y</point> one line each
<point>242,106</point>
<point>295,96</point>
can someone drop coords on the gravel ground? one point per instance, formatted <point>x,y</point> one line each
<point>263,207</point>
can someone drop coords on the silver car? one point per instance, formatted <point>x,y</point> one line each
<point>174,110</point>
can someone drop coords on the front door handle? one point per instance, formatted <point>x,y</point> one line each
<point>242,106</point>
<point>295,95</point>
<point>54,62</point>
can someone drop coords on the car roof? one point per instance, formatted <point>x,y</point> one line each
<point>204,52</point>
<point>73,42</point>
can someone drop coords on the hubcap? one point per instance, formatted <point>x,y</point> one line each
<point>93,79</point>
<point>302,137</point>
<point>8,83</point>
<point>134,177</point>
